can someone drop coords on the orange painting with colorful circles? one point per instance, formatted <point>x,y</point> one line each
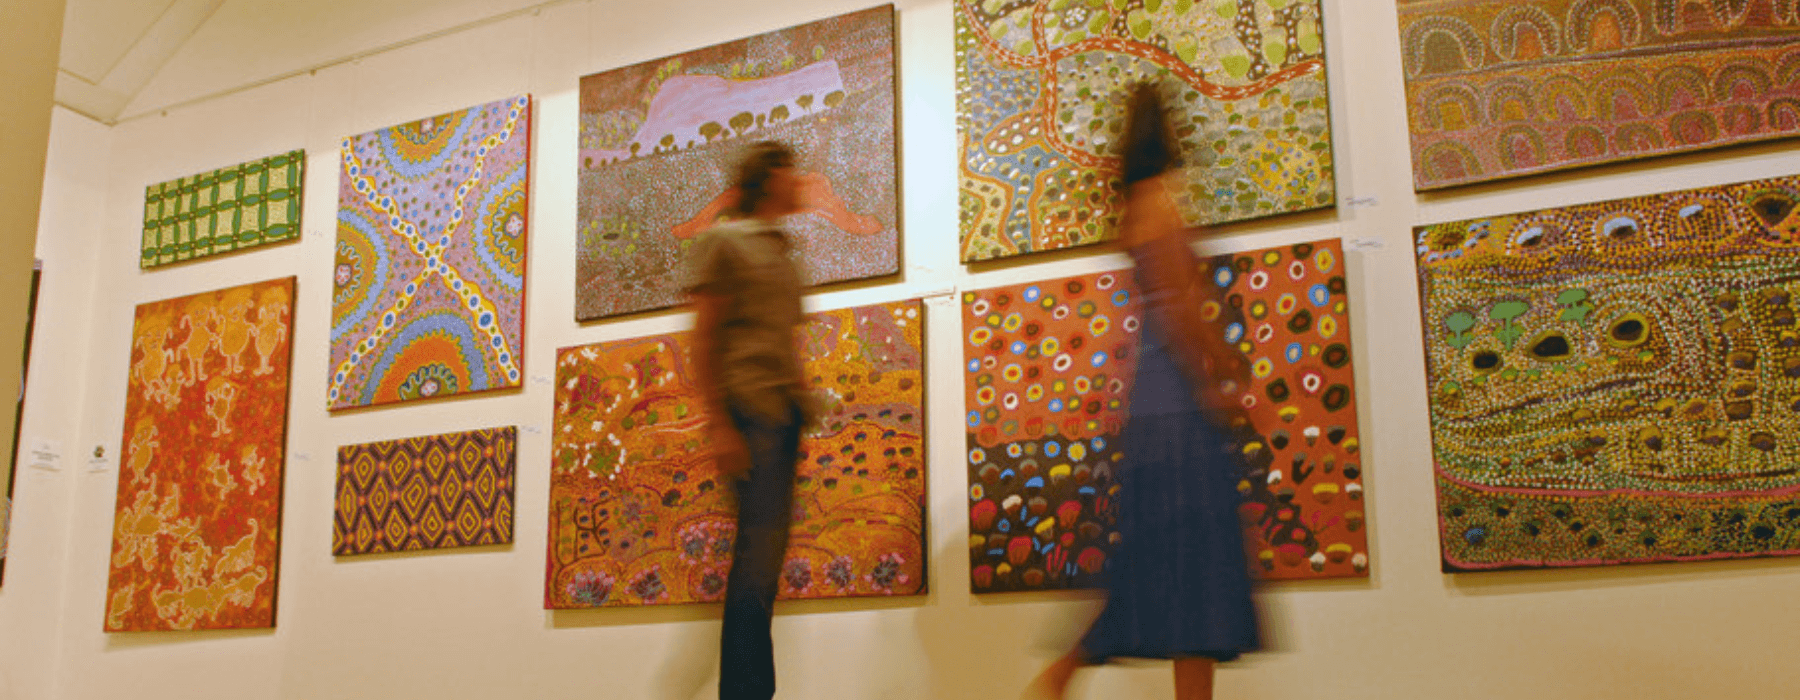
<point>1049,369</point>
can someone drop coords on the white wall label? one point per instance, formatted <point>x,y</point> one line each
<point>1362,202</point>
<point>98,461</point>
<point>46,454</point>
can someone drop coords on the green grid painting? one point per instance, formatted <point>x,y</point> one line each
<point>243,206</point>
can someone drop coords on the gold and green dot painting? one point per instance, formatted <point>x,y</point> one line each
<point>243,206</point>
<point>1617,382</point>
<point>1040,86</point>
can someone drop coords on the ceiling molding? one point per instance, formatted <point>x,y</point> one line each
<point>346,59</point>
<point>106,99</point>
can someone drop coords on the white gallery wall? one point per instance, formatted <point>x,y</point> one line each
<point>470,623</point>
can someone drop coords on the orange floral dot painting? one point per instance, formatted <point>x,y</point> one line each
<point>1048,378</point>
<point>639,515</point>
<point>428,492</point>
<point>196,534</point>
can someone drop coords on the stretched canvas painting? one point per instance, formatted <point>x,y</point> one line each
<point>1049,377</point>
<point>1040,88</point>
<point>639,516</point>
<point>1612,383</point>
<point>429,492</point>
<point>1501,88</point>
<point>243,206</point>
<point>660,141</point>
<point>197,532</point>
<point>429,279</point>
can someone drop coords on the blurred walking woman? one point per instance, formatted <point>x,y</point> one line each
<point>1179,587</point>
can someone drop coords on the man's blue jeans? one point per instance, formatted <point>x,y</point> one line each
<point>765,511</point>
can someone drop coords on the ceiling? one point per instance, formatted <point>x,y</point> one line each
<point>123,58</point>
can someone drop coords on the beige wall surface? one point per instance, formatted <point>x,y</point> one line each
<point>470,624</point>
<point>29,33</point>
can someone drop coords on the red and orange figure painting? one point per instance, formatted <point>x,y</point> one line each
<point>1499,88</point>
<point>196,535</point>
<point>660,141</point>
<point>639,515</point>
<point>1048,380</point>
<point>427,492</point>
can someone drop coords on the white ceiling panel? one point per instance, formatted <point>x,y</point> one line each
<point>97,33</point>
<point>250,41</point>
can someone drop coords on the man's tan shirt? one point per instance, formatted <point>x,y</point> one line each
<point>747,262</point>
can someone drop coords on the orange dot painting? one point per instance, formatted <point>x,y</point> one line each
<point>640,516</point>
<point>1048,376</point>
<point>196,533</point>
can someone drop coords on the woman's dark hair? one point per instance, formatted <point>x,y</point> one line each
<point>1149,147</point>
<point>759,163</point>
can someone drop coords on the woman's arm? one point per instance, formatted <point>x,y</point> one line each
<point>1176,290</point>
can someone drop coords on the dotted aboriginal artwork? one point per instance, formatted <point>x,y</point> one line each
<point>196,535</point>
<point>1049,374</point>
<point>428,296</point>
<point>660,141</point>
<point>1617,382</point>
<point>243,206</point>
<point>431,492</point>
<point>1503,88</point>
<point>1039,89</point>
<point>639,516</point>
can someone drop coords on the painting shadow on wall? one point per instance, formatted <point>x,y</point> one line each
<point>577,618</point>
<point>484,395</point>
<point>120,641</point>
<point>270,247</point>
<point>1559,580</point>
<point>353,559</point>
<point>1591,173</point>
<point>1217,239</point>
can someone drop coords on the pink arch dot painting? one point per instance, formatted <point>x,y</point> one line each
<point>1048,377</point>
<point>428,280</point>
<point>1500,88</point>
<point>660,140</point>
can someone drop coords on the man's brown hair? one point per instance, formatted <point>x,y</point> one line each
<point>759,163</point>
